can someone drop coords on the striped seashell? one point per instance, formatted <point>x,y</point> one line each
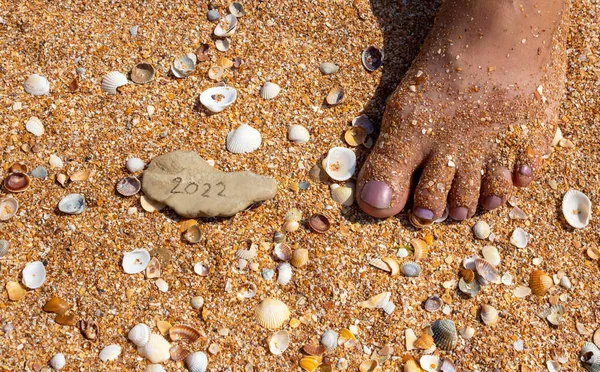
<point>284,273</point>
<point>34,126</point>
<point>178,353</point>
<point>310,363</point>
<point>112,81</point>
<point>3,247</point>
<point>271,313</point>
<point>420,248</point>
<point>488,314</point>
<point>486,270</point>
<point>343,195</point>
<point>293,214</point>
<point>183,332</point>
<point>389,307</point>
<point>244,139</point>
<point>433,303</point>
<point>393,264</point>
<point>444,334</point>
<point>446,366</point>
<point>36,85</point>
<point>380,264</point>
<point>269,90</point>
<point>298,134</point>
<point>412,366</point>
<point>196,362</point>
<point>299,257</point>
<point>590,357</point>
<point>247,254</point>
<point>554,314</point>
<point>540,282</point>
<point>139,334</point>
<point>424,342</point>
<point>410,269</point>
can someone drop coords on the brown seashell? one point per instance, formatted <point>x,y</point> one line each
<point>299,257</point>
<point>420,248</point>
<point>153,269</point>
<point>368,366</point>
<point>488,314</point>
<point>486,270</point>
<point>178,353</point>
<point>183,332</point>
<point>193,234</point>
<point>318,174</point>
<point>314,350</point>
<point>282,252</point>
<point>15,291</point>
<point>68,320</point>
<point>89,329</point>
<point>424,342</point>
<point>74,86</point>
<point>355,136</point>
<point>57,305</point>
<point>319,223</point>
<point>593,253</point>
<point>202,53</point>
<point>310,363</point>
<point>82,175</point>
<point>336,96</point>
<point>467,275</point>
<point>17,167</point>
<point>17,182</point>
<point>417,222</point>
<point>540,282</point>
<point>142,73</point>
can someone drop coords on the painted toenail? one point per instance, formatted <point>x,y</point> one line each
<point>377,194</point>
<point>423,213</point>
<point>525,170</point>
<point>459,213</point>
<point>491,202</point>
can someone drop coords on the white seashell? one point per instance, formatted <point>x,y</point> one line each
<point>154,368</point>
<point>557,137</point>
<point>377,301</point>
<point>429,363</point>
<point>8,208</point>
<point>467,332</point>
<point>223,45</point>
<point>162,285</point>
<point>236,9</point>
<point>226,27</point>
<point>269,90</point>
<point>248,291</point>
<point>279,342</point>
<point>329,339</point>
<point>156,350</point>
<point>184,65</point>
<point>507,279</point>
<point>55,161</point>
<point>577,209</point>
<point>247,254</point>
<point>490,253</point>
<point>112,81</point>
<point>110,352</point>
<point>139,334</point>
<point>72,204</point>
<point>133,30</point>
<point>565,282</point>
<point>340,163</point>
<point>343,195</point>
<point>197,302</point>
<point>389,307</point>
<point>365,122</point>
<point>135,165</point>
<point>34,275</point>
<point>410,338</point>
<point>37,85</point>
<point>481,230</point>
<point>298,134</point>
<point>35,126</point>
<point>196,362</point>
<point>328,68</point>
<point>284,273</point>
<point>201,269</point>
<point>58,361</point>
<point>521,291</point>
<point>136,261</point>
<point>244,139</point>
<point>151,205</point>
<point>216,99</point>
<point>271,313</point>
<point>519,238</point>
<point>402,253</point>
<point>469,262</point>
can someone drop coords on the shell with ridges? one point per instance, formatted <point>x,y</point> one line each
<point>227,26</point>
<point>412,366</point>
<point>3,247</point>
<point>196,362</point>
<point>299,257</point>
<point>156,350</point>
<point>380,264</point>
<point>279,342</point>
<point>393,264</point>
<point>481,230</point>
<point>310,363</point>
<point>298,134</point>
<point>486,270</point>
<point>577,209</point>
<point>178,352</point>
<point>488,314</point>
<point>447,366</point>
<point>444,334</point>
<point>34,126</point>
<point>343,195</point>
<point>329,339</point>
<point>216,99</point>
<point>269,90</point>
<point>554,314</point>
<point>590,356</point>
<point>110,352</point>
<point>284,273</point>
<point>271,313</point>
<point>424,342</point>
<point>410,269</point>
<point>139,334</point>
<point>377,301</point>
<point>420,248</point>
<point>247,254</point>
<point>37,85</point>
<point>293,214</point>
<point>540,282</point>
<point>244,139</point>
<point>183,332</point>
<point>282,252</point>
<point>112,81</point>
<point>389,307</point>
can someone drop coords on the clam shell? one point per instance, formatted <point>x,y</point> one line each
<point>554,314</point>
<point>40,172</point>
<point>156,350</point>
<point>430,363</point>
<point>372,58</point>
<point>446,366</point>
<point>8,208</point>
<point>417,222</point>
<point>282,252</point>
<point>269,90</point>
<point>380,264</point>
<point>110,352</point>
<point>590,356</point>
<point>336,96</point>
<point>196,362</point>
<point>490,253</point>
<point>470,289</point>
<point>178,353</point>
<point>486,270</point>
<point>424,342</point>
<point>343,195</point>
<point>150,205</point>
<point>444,334</point>
<point>34,126</point>
<point>355,136</point>
<point>314,350</point>
<point>328,68</point>
<point>201,269</point>
<point>213,15</point>
<point>432,304</point>
<point>17,167</point>
<point>236,9</point>
<point>215,72</point>
<point>184,65</point>
<point>247,254</point>
<point>310,363</point>
<point>56,305</point>
<point>183,332</point>
<point>216,99</point>
<point>298,134</point>
<point>519,238</point>
<point>393,264</point>
<point>153,269</point>
<point>364,121</point>
<point>136,261</point>
<point>154,368</point>
<point>271,313</point>
<point>223,45</point>
<point>58,361</point>
<point>293,214</point>
<point>3,247</point>
<point>329,339</point>
<point>139,334</point>
<point>37,85</point>
<point>112,81</point>
<point>467,275</point>
<point>279,342</point>
<point>226,26</point>
<point>291,226</point>
<point>340,163</point>
<point>299,257</point>
<point>72,204</point>
<point>377,301</point>
<point>193,234</point>
<point>577,209</point>
<point>142,73</point>
<point>17,182</point>
<point>197,302</point>
<point>488,314</point>
<point>481,230</point>
<point>284,273</point>
<point>420,248</point>
<point>540,282</point>
<point>34,274</point>
<point>368,366</point>
<point>410,269</point>
<point>248,290</point>
<point>244,139</point>
<point>319,223</point>
<point>129,186</point>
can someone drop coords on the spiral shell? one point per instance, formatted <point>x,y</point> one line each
<point>420,248</point>
<point>410,269</point>
<point>444,334</point>
<point>139,334</point>
<point>271,313</point>
<point>540,282</point>
<point>299,257</point>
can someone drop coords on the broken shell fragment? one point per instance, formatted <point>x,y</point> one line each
<point>271,313</point>
<point>34,274</point>
<point>364,121</point>
<point>226,26</point>
<point>486,270</point>
<point>15,291</point>
<point>129,186</point>
<point>393,265</point>
<point>424,342</point>
<point>488,314</point>
<point>372,58</point>
<point>554,314</point>
<point>139,334</point>
<point>368,366</point>
<point>420,248</point>
<point>17,182</point>
<point>178,353</point>
<point>136,261</point>
<point>34,126</point>
<point>590,357</point>
<point>340,163</point>
<point>248,291</point>
<point>110,352</point>
<point>279,342</point>
<point>490,253</point>
<point>269,90</point>
<point>336,96</point>
<point>444,334</point>
<point>319,223</point>
<point>410,269</point>
<point>247,254</point>
<point>284,273</point>
<point>184,65</point>
<point>216,99</point>
<point>183,332</point>
<point>88,328</point>
<point>380,264</point>
<point>113,81</point>
<point>282,252</point>
<point>215,72</point>
<point>56,305</point>
<point>377,301</point>
<point>142,73</point>
<point>244,139</point>
<point>298,134</point>
<point>8,208</point>
<point>236,9</point>
<point>540,282</point>
<point>3,247</point>
<point>329,339</point>
<point>430,363</point>
<point>36,85</point>
<point>355,136</point>
<point>196,362</point>
<point>577,209</point>
<point>72,204</point>
<point>471,288</point>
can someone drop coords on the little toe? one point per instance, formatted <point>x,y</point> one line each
<point>431,194</point>
<point>464,194</point>
<point>496,187</point>
<point>527,164</point>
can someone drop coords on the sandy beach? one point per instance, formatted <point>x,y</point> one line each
<point>281,41</point>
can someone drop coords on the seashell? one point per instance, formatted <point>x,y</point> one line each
<point>284,273</point>
<point>412,366</point>
<point>282,252</point>
<point>113,81</point>
<point>110,352</point>
<point>40,172</point>
<point>293,214</point>
<point>488,314</point>
<point>328,68</point>
<point>17,182</point>
<point>17,167</point>
<point>299,257</point>
<point>564,281</point>
<point>319,223</point>
<point>446,366</point>
<point>432,304</point>
<point>590,356</point>
<point>215,72</point>
<point>34,126</point>
<point>184,65</point>
<point>410,269</point>
<point>310,363</point>
<point>129,186</point>
<point>557,137</point>
<point>56,305</point>
<point>8,208</point>
<point>420,248</point>
<point>593,253</point>
<point>154,368</point>
<point>15,291</point>
<point>244,139</point>
<point>163,326</point>
<point>142,73</point>
<point>213,15</point>
<point>429,363</point>
<point>136,261</point>
<point>139,334</point>
<point>55,161</point>
<point>58,361</point>
<point>329,339</point>
<point>183,332</point>
<point>540,282</point>
<point>72,204</point>
<point>577,209</point>
<point>355,136</point>
<point>37,85</point>
<point>424,342</point>
<point>34,275</point>
<point>318,174</point>
<point>134,164</point>
<point>521,292</point>
<point>197,302</point>
<point>298,134</point>
<point>156,350</point>
<point>490,253</point>
<point>340,163</point>
<point>291,226</point>
<point>417,222</point>
<point>226,26</point>
<point>151,205</point>
<point>372,58</point>
<point>343,195</point>
<point>519,238</point>
<point>62,179</point>
<point>377,301</point>
<point>178,353</point>
<point>364,122</point>
<point>279,342</point>
<point>380,264</point>
<point>196,362</point>
<point>248,291</point>
<point>481,230</point>
<point>201,269</point>
<point>271,313</point>
<point>444,216</point>
<point>486,270</point>
<point>336,96</point>
<point>470,289</point>
<point>247,254</point>
<point>193,234</point>
<point>225,63</point>
<point>368,366</point>
<point>236,9</point>
<point>269,90</point>
<point>133,30</point>
<point>389,307</point>
<point>3,247</point>
<point>88,328</point>
<point>393,265</point>
<point>444,334</point>
<point>554,314</point>
<point>467,333</point>
<point>469,262</point>
<point>223,45</point>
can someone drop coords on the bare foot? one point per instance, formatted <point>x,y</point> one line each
<point>480,99</point>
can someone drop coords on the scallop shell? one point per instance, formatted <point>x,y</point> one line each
<point>247,254</point>
<point>420,248</point>
<point>184,65</point>
<point>183,332</point>
<point>486,270</point>
<point>112,81</point>
<point>377,301</point>
<point>299,257</point>
<point>269,90</point>
<point>291,226</point>
<point>271,313</point>
<point>481,230</point>
<point>343,195</point>
<point>488,314</point>
<point>329,339</point>
<point>319,223</point>
<point>298,134</point>
<point>393,264</point>
<point>372,58</point>
<point>216,99</point>
<point>424,342</point>
<point>433,303</point>
<point>129,186</point>
<point>3,247</point>
<point>58,361</point>
<point>139,334</point>
<point>368,366</point>
<point>336,96</point>
<point>284,273</point>
<point>429,363</point>
<point>8,208</point>
<point>590,356</point>
<point>577,209</point>
<point>446,366</point>
<point>410,269</point>
<point>279,342</point>
<point>154,368</point>
<point>444,334</point>
<point>554,314</point>
<point>226,26</point>
<point>142,73</point>
<point>223,45</point>
<point>244,139</point>
<point>34,275</point>
<point>470,289</point>
<point>328,68</point>
<point>110,352</point>
<point>156,350</point>
<point>37,85</point>
<point>364,121</point>
<point>380,264</point>
<point>540,282</point>
<point>34,126</point>
<point>310,363</point>
<point>196,362</point>
<point>293,214</point>
<point>72,204</point>
<point>17,182</point>
<point>236,9</point>
<point>340,163</point>
<point>389,307</point>
<point>136,261</point>
<point>519,238</point>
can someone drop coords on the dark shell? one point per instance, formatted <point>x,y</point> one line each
<point>372,58</point>
<point>18,167</point>
<point>444,334</point>
<point>129,186</point>
<point>17,182</point>
<point>433,303</point>
<point>202,53</point>
<point>319,223</point>
<point>213,15</point>
<point>142,73</point>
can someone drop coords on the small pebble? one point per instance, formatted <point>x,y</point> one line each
<point>58,361</point>
<point>162,285</point>
<point>402,252</point>
<point>518,345</point>
<point>135,165</point>
<point>213,349</point>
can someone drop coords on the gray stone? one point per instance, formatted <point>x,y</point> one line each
<point>193,188</point>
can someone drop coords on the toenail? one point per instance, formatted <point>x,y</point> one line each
<point>491,202</point>
<point>423,213</point>
<point>459,213</point>
<point>377,194</point>
<point>525,170</point>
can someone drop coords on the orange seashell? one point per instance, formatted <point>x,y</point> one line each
<point>424,342</point>
<point>310,363</point>
<point>183,332</point>
<point>467,275</point>
<point>420,248</point>
<point>540,282</point>
<point>178,352</point>
<point>299,257</point>
<point>163,327</point>
<point>412,366</point>
<point>68,320</point>
<point>57,305</point>
<point>17,182</point>
<point>17,167</point>
<point>314,350</point>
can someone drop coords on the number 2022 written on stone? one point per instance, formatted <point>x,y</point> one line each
<point>191,188</point>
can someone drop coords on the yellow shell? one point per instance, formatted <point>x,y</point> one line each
<point>467,275</point>
<point>420,247</point>
<point>412,366</point>
<point>310,363</point>
<point>368,366</point>
<point>393,264</point>
<point>539,282</point>
<point>345,335</point>
<point>15,291</point>
<point>424,342</point>
<point>163,327</point>
<point>271,313</point>
<point>355,136</point>
<point>299,257</point>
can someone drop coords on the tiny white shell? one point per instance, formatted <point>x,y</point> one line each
<point>269,90</point>
<point>112,81</point>
<point>184,65</point>
<point>216,99</point>
<point>284,273</point>
<point>389,307</point>
<point>329,339</point>
<point>481,230</point>
<point>35,126</point>
<point>196,362</point>
<point>201,269</point>
<point>340,163</point>
<point>519,238</point>
<point>110,352</point>
<point>577,209</point>
<point>156,350</point>
<point>139,334</point>
<point>429,363</point>
<point>279,342</point>
<point>134,165</point>
<point>154,368</point>
<point>328,68</point>
<point>34,275</point>
<point>58,361</point>
<point>298,134</point>
<point>197,302</point>
<point>37,85</point>
<point>343,195</point>
<point>227,26</point>
<point>243,139</point>
<point>136,261</point>
<point>223,45</point>
<point>55,161</point>
<point>72,204</point>
<point>162,285</point>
